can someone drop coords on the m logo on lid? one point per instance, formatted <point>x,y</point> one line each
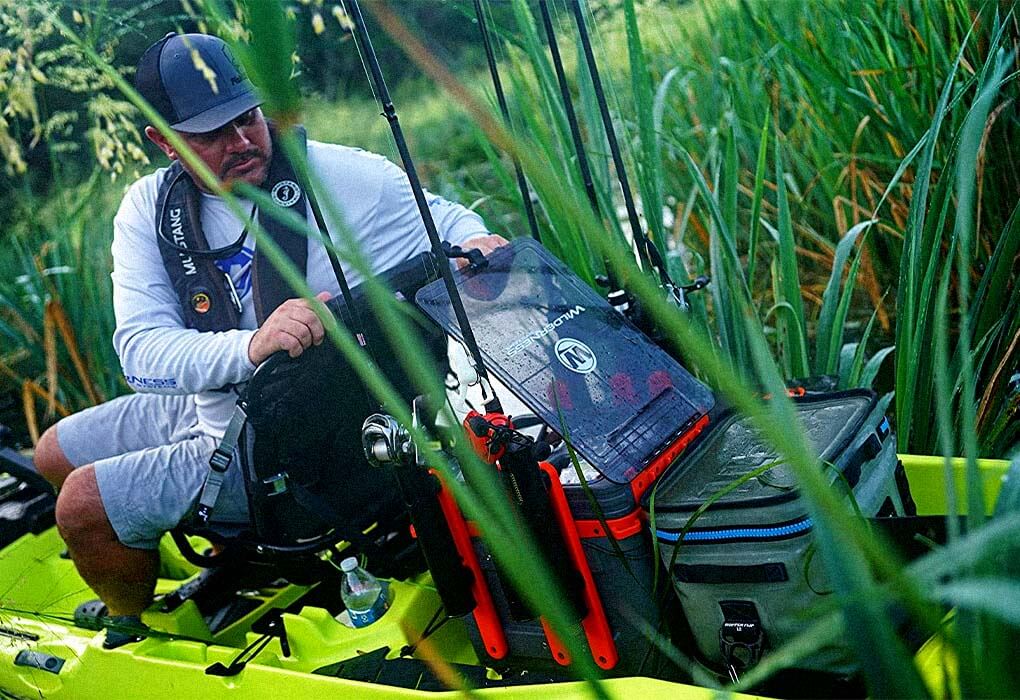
<point>575,355</point>
<point>286,193</point>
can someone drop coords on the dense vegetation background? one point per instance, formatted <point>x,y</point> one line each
<point>845,170</point>
<point>799,118</point>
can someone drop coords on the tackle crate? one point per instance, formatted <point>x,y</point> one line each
<point>626,406</point>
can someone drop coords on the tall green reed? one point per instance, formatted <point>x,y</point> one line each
<point>870,580</point>
<point>56,312</point>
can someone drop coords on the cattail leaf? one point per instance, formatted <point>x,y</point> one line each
<point>792,325</point>
<point>756,200</point>
<point>832,316</point>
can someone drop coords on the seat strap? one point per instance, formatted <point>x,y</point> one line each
<point>219,462</point>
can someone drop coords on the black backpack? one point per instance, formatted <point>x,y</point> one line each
<point>305,469</point>
<point>308,482</point>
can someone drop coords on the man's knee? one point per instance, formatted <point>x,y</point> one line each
<point>80,514</point>
<point>50,460</point>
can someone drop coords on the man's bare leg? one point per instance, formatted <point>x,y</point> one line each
<point>50,460</point>
<point>122,576</point>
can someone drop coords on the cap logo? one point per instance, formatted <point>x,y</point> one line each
<point>286,193</point>
<point>239,75</point>
<point>201,302</point>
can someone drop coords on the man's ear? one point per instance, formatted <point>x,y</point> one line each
<point>160,140</point>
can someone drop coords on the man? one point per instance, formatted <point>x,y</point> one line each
<point>129,470</point>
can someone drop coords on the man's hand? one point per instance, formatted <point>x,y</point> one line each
<point>293,327</point>
<point>486,244</point>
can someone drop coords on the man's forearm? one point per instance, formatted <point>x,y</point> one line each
<point>182,361</point>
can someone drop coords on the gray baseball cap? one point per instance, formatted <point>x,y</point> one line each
<point>192,97</point>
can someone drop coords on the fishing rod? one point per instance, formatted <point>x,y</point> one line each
<point>646,248</point>
<point>390,113</point>
<point>522,183</point>
<point>568,106</point>
<point>617,297</point>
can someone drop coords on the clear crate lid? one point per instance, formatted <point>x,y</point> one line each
<point>572,359</point>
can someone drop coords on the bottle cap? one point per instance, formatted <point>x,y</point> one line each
<point>349,564</point>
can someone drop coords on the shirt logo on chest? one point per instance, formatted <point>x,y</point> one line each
<point>238,266</point>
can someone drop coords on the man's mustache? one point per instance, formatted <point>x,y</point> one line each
<point>239,158</point>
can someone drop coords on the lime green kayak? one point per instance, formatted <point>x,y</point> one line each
<point>44,653</point>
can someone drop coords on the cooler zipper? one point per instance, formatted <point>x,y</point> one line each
<point>738,534</point>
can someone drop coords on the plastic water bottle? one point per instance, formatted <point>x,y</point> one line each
<point>363,595</point>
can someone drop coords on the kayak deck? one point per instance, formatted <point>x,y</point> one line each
<point>40,590</point>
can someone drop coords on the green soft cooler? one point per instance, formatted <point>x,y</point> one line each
<point>745,572</point>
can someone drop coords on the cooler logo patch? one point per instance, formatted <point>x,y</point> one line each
<point>201,302</point>
<point>575,355</point>
<point>286,193</point>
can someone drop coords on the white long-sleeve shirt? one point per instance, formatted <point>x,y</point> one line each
<point>158,354</point>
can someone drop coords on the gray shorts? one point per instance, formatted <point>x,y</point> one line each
<point>151,462</point>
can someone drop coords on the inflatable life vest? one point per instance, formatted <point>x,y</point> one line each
<point>206,293</point>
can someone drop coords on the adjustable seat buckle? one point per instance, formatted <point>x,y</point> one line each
<point>220,460</point>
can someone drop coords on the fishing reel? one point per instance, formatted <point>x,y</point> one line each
<point>677,294</point>
<point>385,441</point>
<point>632,309</point>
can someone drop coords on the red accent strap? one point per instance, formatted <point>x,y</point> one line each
<point>653,471</point>
<point>596,626</point>
<point>481,444</point>
<point>622,528</point>
<point>794,393</point>
<point>489,627</point>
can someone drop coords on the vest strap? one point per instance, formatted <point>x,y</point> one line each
<point>207,296</point>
